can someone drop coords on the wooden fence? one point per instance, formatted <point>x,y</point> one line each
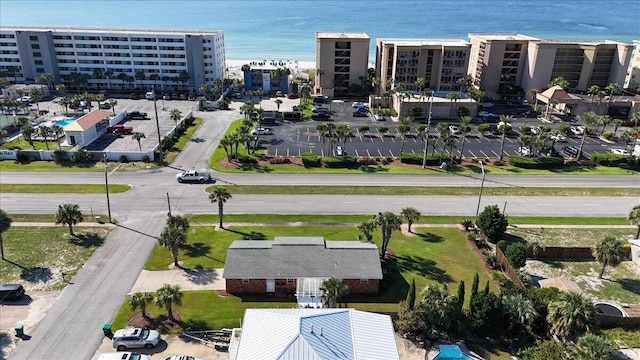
<point>508,270</point>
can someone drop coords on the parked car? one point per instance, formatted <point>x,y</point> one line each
<point>193,176</point>
<point>124,356</point>
<point>132,337</point>
<point>524,151</point>
<point>11,292</point>
<point>237,95</point>
<point>488,117</point>
<point>358,113</point>
<point>379,117</point>
<point>454,130</point>
<point>578,130</point>
<point>339,151</point>
<point>620,152</point>
<point>166,97</point>
<point>358,105</point>
<point>105,105</point>
<point>134,96</point>
<point>320,99</point>
<point>26,99</point>
<point>320,109</point>
<point>570,150</point>
<point>268,120</point>
<point>559,138</point>
<point>120,129</point>
<point>150,95</point>
<point>137,115</point>
<point>292,96</point>
<point>181,357</point>
<point>261,131</point>
<point>279,93</point>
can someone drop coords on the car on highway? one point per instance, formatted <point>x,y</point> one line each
<point>193,176</point>
<point>133,337</point>
<point>181,357</point>
<point>261,131</point>
<point>11,292</point>
<point>123,356</point>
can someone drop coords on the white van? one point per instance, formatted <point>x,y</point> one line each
<point>124,356</point>
<point>149,95</point>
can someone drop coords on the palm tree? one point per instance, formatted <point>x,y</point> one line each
<point>590,346</point>
<point>592,91</point>
<point>611,88</point>
<point>365,231</point>
<point>332,290</point>
<point>410,214</point>
<point>453,97</point>
<point>634,219</point>
<point>343,132</point>
<point>5,224</point>
<point>69,214</point>
<point>404,129</point>
<point>520,309</point>
<point>113,103</point>
<point>168,295</point>
<point>44,131</point>
<point>278,102</point>
<point>138,136</point>
<point>560,81</point>
<point>387,222</point>
<point>27,133</point>
<point>36,95</point>
<point>140,300</point>
<point>534,97</point>
<point>172,237</point>
<point>608,251</point>
<point>439,307</point>
<point>570,316</point>
<point>503,128</point>
<point>464,128</point>
<point>175,115</point>
<point>587,120</point>
<point>220,195</point>
<point>225,143</point>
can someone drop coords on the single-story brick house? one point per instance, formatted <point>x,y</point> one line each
<point>299,265</point>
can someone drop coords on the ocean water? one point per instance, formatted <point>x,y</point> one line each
<point>285,29</point>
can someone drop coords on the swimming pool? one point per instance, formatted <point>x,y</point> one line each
<point>451,352</point>
<point>64,122</point>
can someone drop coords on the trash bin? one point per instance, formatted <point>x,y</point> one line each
<point>19,330</point>
<point>106,329</point>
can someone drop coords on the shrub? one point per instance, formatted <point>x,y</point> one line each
<point>492,223</point>
<point>416,159</point>
<point>471,236</point>
<point>60,156</point>
<point>339,162</point>
<point>564,129</point>
<point>279,161</point>
<point>246,159</point>
<point>22,157</point>
<point>609,159</point>
<point>123,159</point>
<point>607,135</point>
<point>81,157</point>
<point>367,161</point>
<point>536,163</point>
<point>484,127</point>
<point>492,261</point>
<point>146,159</point>
<point>502,244</point>
<point>516,255</point>
<point>525,129</point>
<point>310,160</point>
<point>499,162</point>
<point>167,143</point>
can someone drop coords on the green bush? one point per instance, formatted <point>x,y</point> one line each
<point>60,156</point>
<point>310,160</point>
<point>609,159</point>
<point>516,255</point>
<point>607,135</point>
<point>339,162</point>
<point>416,159</point>
<point>247,159</point>
<point>484,127</point>
<point>502,244</point>
<point>124,159</point>
<point>536,163</point>
<point>146,159</point>
<point>564,129</point>
<point>81,157</point>
<point>492,223</point>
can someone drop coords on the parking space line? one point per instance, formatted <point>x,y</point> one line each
<point>381,137</point>
<point>391,152</point>
<point>276,153</point>
<point>509,140</point>
<point>485,154</point>
<point>368,153</point>
<point>299,154</point>
<point>478,140</point>
<point>287,152</point>
<point>472,154</point>
<point>379,153</point>
<point>495,153</point>
<point>356,151</point>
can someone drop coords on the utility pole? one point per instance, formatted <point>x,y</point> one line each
<point>480,196</point>
<point>106,185</point>
<point>169,204</point>
<point>155,107</point>
<point>426,143</point>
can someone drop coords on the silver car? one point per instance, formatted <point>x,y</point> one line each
<point>135,338</point>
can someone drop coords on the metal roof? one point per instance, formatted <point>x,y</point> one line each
<point>310,334</point>
<point>302,257</point>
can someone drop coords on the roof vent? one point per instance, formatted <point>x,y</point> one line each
<point>311,331</point>
<point>321,331</point>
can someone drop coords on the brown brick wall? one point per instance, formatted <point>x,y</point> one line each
<point>283,287</point>
<point>254,286</point>
<point>355,287</point>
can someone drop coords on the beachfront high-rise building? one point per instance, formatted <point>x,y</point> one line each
<point>497,60</point>
<point>341,61</point>
<point>113,59</point>
<point>582,63</point>
<point>440,62</point>
<point>501,60</point>
<point>632,80</point>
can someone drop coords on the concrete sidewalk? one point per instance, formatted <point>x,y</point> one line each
<point>188,279</point>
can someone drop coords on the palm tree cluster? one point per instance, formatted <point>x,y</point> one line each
<point>166,297</point>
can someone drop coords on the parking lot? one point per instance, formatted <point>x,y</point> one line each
<point>289,139</point>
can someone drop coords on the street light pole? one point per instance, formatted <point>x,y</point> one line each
<point>426,143</point>
<point>480,196</point>
<point>155,107</point>
<point>106,185</point>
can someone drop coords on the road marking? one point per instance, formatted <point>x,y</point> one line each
<point>379,153</point>
<point>356,151</point>
<point>287,152</point>
<point>485,155</point>
<point>494,153</point>
<point>368,154</point>
<point>391,153</point>
<point>472,154</point>
<point>299,154</point>
<point>276,153</point>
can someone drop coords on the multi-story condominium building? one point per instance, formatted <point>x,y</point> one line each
<point>632,80</point>
<point>439,62</point>
<point>582,63</point>
<point>109,58</point>
<point>497,60</point>
<point>501,60</point>
<point>341,61</point>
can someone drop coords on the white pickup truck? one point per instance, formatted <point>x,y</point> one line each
<point>193,176</point>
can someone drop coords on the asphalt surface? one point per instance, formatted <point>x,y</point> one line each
<point>72,327</point>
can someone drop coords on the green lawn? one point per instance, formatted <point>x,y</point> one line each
<point>423,190</point>
<point>63,188</point>
<point>36,256</point>
<point>628,336</point>
<point>50,218</point>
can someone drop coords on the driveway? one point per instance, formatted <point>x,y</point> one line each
<point>205,279</point>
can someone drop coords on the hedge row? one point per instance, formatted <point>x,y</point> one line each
<point>536,163</point>
<point>310,159</point>
<point>416,159</point>
<point>340,162</point>
<point>609,159</point>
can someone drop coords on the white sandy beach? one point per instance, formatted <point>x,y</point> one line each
<point>234,66</point>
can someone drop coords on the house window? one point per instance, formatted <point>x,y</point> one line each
<point>364,281</point>
<point>33,38</point>
<point>290,281</point>
<point>245,281</point>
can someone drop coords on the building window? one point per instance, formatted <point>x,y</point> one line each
<point>38,62</point>
<point>35,46</point>
<point>37,54</point>
<point>40,70</point>
<point>364,281</point>
<point>33,38</point>
<point>290,281</point>
<point>245,281</point>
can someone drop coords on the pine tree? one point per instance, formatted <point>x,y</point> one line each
<point>486,287</point>
<point>460,296</point>
<point>411,295</point>
<point>474,286</point>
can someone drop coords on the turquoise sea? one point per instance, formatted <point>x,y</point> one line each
<point>285,29</point>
